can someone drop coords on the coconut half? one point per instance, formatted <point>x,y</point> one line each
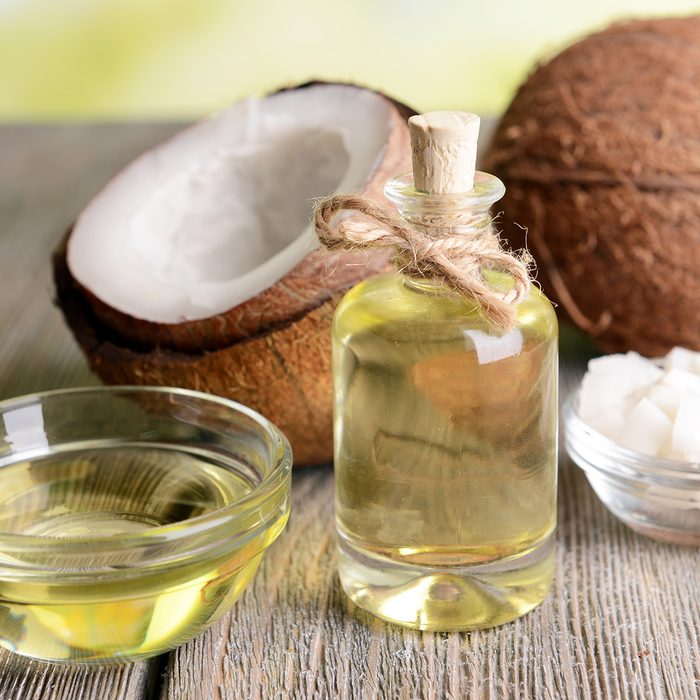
<point>197,266</point>
<point>175,245</point>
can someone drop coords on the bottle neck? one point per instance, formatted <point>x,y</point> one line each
<point>440,215</point>
<point>450,216</point>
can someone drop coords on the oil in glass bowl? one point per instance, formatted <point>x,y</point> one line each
<point>121,551</point>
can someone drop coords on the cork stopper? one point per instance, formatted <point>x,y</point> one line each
<point>444,151</point>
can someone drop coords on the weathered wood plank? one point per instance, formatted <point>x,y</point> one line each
<point>23,679</point>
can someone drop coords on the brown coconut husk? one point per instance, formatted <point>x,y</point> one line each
<point>283,374</point>
<point>600,153</point>
<point>272,353</point>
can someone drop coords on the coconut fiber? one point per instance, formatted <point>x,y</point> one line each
<point>456,257</point>
<point>600,154</point>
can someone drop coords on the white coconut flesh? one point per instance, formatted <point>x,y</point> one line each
<point>220,212</point>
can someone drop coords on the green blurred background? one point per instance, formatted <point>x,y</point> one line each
<point>173,59</point>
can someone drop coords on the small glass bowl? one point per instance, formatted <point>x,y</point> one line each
<point>131,518</point>
<point>656,497</point>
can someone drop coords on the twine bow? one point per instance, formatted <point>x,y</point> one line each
<point>433,247</point>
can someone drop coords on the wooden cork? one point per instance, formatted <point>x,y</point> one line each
<point>444,151</point>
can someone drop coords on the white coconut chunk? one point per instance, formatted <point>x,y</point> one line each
<point>608,422</point>
<point>686,428</point>
<point>612,380</point>
<point>626,373</point>
<point>627,362</point>
<point>220,212</point>
<point>598,394</point>
<point>644,407</point>
<point>667,398</point>
<point>646,429</point>
<point>681,358</point>
<point>683,381</point>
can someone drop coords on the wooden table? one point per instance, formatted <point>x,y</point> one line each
<point>623,619</point>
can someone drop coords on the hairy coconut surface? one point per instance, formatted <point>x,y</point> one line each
<point>285,374</point>
<point>600,154</point>
<point>271,351</point>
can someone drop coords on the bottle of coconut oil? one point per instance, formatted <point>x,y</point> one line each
<point>445,383</point>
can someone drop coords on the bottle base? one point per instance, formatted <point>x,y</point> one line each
<point>442,599</point>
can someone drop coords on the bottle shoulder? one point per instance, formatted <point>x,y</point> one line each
<point>392,300</point>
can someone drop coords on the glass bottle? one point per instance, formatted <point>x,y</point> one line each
<point>445,440</point>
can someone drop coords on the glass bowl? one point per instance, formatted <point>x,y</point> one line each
<point>657,497</point>
<point>131,518</point>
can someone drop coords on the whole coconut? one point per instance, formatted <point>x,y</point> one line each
<point>600,153</point>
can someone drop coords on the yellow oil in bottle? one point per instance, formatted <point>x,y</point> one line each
<point>446,454</point>
<point>124,610</point>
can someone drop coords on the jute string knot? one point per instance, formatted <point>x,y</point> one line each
<point>449,248</point>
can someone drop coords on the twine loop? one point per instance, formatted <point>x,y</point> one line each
<point>450,248</point>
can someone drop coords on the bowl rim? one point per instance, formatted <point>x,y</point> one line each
<point>652,465</point>
<point>270,486</point>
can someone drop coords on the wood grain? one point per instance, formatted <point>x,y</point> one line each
<point>622,621</point>
<point>22,679</point>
